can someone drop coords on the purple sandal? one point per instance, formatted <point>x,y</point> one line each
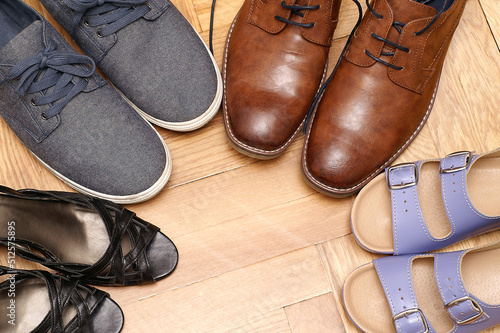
<point>427,205</point>
<point>444,292</point>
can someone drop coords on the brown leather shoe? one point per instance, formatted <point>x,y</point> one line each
<point>381,93</point>
<point>274,62</point>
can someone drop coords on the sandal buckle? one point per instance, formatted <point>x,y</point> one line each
<point>410,311</point>
<point>403,185</point>
<point>460,167</point>
<point>465,299</point>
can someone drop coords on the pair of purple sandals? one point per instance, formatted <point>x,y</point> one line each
<point>419,207</point>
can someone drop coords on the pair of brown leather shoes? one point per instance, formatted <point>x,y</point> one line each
<point>373,106</point>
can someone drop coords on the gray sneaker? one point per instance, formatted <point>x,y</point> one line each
<point>150,53</point>
<point>76,124</point>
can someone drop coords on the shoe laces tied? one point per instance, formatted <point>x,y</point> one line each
<point>297,10</point>
<point>114,14</point>
<point>58,75</point>
<point>399,27</point>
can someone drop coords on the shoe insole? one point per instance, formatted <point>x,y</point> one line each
<point>367,305</point>
<point>31,307</point>
<point>372,214</point>
<point>483,184</point>
<point>13,19</point>
<point>72,233</point>
<point>481,275</point>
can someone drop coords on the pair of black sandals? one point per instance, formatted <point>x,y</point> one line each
<point>85,241</point>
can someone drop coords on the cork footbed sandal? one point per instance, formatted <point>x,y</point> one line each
<point>445,292</point>
<point>427,205</point>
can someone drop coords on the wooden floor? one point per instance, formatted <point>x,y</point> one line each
<point>260,251</point>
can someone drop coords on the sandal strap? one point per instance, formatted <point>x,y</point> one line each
<point>24,249</point>
<point>410,232</point>
<point>60,295</point>
<point>395,276</point>
<point>468,312</point>
<point>409,229</point>
<point>462,307</point>
<point>466,221</point>
<point>121,269</point>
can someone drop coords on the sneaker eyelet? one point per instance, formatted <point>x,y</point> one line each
<point>33,102</point>
<point>43,116</point>
<point>149,6</point>
<point>86,79</point>
<point>86,23</point>
<point>99,34</point>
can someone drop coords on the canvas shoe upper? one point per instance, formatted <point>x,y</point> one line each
<point>150,53</point>
<point>77,125</point>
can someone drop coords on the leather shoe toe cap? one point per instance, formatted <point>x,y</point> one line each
<point>338,171</point>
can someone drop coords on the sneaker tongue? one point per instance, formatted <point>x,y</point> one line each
<point>26,43</point>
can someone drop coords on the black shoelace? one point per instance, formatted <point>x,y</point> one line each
<point>397,25</point>
<point>58,75</point>
<point>323,87</point>
<point>211,34</point>
<point>295,9</point>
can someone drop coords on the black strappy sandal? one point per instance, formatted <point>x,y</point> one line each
<point>39,302</point>
<point>94,240</point>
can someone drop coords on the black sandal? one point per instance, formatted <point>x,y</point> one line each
<point>39,302</point>
<point>90,239</point>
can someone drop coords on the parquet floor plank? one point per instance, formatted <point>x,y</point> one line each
<point>315,315</point>
<point>270,322</point>
<point>492,11</point>
<point>339,257</point>
<point>249,240</point>
<point>232,299</point>
<point>186,7</point>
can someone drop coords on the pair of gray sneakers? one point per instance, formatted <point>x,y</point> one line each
<point>90,135</point>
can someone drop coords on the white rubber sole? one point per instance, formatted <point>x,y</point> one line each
<point>128,199</point>
<point>198,122</point>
